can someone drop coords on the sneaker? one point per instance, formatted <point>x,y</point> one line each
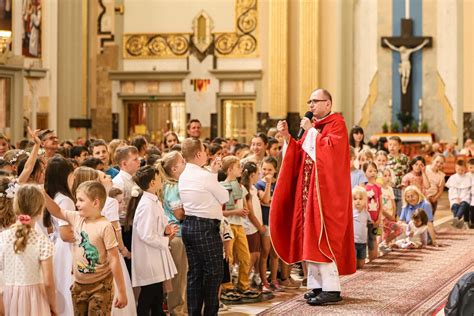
<point>223,307</point>
<point>276,286</point>
<point>250,293</point>
<point>325,298</point>
<point>231,296</point>
<point>460,224</point>
<point>455,222</point>
<point>266,288</point>
<point>256,279</point>
<point>290,284</point>
<point>383,248</point>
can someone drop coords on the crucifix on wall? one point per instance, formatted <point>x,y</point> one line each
<point>406,44</point>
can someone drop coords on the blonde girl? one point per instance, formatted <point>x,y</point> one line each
<point>4,144</point>
<point>365,155</point>
<point>374,206</point>
<point>27,259</point>
<point>389,212</point>
<point>361,221</point>
<point>413,199</point>
<point>436,177</point>
<point>170,167</point>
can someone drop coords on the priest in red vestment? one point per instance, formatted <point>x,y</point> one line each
<point>311,213</point>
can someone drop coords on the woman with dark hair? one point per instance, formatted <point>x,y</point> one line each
<point>59,178</point>
<point>356,139</point>
<point>258,148</point>
<point>169,140</point>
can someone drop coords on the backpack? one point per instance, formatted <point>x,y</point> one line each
<point>461,299</point>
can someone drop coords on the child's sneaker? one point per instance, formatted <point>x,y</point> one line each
<point>231,296</point>
<point>266,288</point>
<point>290,284</point>
<point>383,248</point>
<point>256,279</point>
<point>223,307</point>
<point>460,224</point>
<point>250,293</point>
<point>455,222</point>
<point>276,286</point>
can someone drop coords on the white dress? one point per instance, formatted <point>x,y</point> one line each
<point>111,212</point>
<point>24,293</point>
<point>62,261</point>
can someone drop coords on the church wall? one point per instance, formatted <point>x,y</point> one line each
<point>468,58</point>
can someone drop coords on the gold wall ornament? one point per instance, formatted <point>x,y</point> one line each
<point>202,27</point>
<point>202,42</point>
<point>156,45</point>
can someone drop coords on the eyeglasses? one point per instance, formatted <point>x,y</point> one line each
<point>314,101</point>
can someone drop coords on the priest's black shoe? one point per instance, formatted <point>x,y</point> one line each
<point>312,294</point>
<point>325,298</point>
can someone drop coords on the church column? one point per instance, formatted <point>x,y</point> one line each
<point>278,56</point>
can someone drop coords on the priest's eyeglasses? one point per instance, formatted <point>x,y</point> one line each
<point>314,101</point>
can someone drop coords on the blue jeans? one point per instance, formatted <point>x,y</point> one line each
<point>460,209</point>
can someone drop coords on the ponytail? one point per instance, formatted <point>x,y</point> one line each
<point>248,169</point>
<point>21,234</point>
<point>131,208</point>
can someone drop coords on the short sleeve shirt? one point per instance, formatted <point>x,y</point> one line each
<point>171,202</point>
<point>408,211</point>
<point>357,178</point>
<point>260,185</point>
<point>399,167</point>
<point>93,239</point>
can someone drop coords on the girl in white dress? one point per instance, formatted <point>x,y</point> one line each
<point>26,258</point>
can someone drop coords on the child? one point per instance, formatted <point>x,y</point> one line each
<point>380,162</point>
<point>235,213</point>
<point>150,241</point>
<point>265,188</point>
<point>226,236</point>
<point>459,193</point>
<point>99,150</point>
<point>416,231</point>
<point>413,199</point>
<point>253,223</point>
<point>389,216</point>
<point>357,175</point>
<point>170,167</point>
<point>398,163</point>
<point>95,254</point>
<point>361,221</point>
<point>374,206</point>
<point>27,258</point>
<point>417,175</point>
<point>436,176</point>
<point>470,165</point>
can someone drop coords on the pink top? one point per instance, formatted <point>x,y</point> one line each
<point>436,181</point>
<point>374,200</point>
<point>412,179</point>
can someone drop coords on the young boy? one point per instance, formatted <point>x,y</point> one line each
<point>357,176</point>
<point>96,262</point>
<point>361,220</point>
<point>79,153</point>
<point>398,163</point>
<point>459,194</point>
<point>99,150</point>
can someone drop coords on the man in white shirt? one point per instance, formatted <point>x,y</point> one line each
<point>127,159</point>
<point>202,197</point>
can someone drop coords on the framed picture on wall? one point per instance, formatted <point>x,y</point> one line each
<point>31,28</point>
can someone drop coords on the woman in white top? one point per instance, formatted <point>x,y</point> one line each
<point>152,263</point>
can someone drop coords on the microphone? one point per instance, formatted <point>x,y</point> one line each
<point>309,115</point>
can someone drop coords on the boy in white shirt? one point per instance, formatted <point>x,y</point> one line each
<point>459,194</point>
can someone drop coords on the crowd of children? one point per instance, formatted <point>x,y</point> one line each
<point>395,198</point>
<point>115,235</point>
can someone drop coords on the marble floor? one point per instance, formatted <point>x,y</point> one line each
<point>443,215</point>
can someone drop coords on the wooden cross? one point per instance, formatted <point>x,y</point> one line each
<point>406,44</point>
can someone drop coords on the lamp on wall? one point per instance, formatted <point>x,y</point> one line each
<point>5,39</point>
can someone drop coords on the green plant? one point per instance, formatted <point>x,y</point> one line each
<point>414,127</point>
<point>405,119</point>
<point>424,127</point>
<point>385,127</point>
<point>395,127</point>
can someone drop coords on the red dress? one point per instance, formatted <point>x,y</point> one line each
<point>311,217</point>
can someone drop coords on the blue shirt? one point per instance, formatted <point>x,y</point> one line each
<point>112,172</point>
<point>260,185</point>
<point>408,211</point>
<point>357,178</point>
<point>172,201</point>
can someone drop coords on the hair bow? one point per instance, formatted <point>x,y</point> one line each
<point>24,219</point>
<point>135,191</point>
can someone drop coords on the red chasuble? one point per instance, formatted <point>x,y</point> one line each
<point>311,213</point>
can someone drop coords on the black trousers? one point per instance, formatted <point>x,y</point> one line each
<point>151,300</point>
<point>204,248</point>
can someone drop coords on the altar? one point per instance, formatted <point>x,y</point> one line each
<point>410,137</point>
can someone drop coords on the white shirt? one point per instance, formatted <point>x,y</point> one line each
<point>123,181</point>
<point>202,195</point>
<point>361,218</point>
<point>111,209</point>
<point>257,211</point>
<point>151,257</point>
<point>459,188</point>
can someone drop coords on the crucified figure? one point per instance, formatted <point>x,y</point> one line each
<point>405,67</point>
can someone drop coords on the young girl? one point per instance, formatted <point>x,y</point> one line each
<point>374,205</point>
<point>413,199</point>
<point>150,241</point>
<point>417,175</point>
<point>4,144</point>
<point>169,140</point>
<point>170,168</point>
<point>265,188</point>
<point>58,182</point>
<point>26,258</point>
<point>389,213</point>
<point>236,214</point>
<point>361,221</point>
<point>381,159</point>
<point>416,231</point>
<point>253,223</point>
<point>435,175</point>
<point>364,156</point>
